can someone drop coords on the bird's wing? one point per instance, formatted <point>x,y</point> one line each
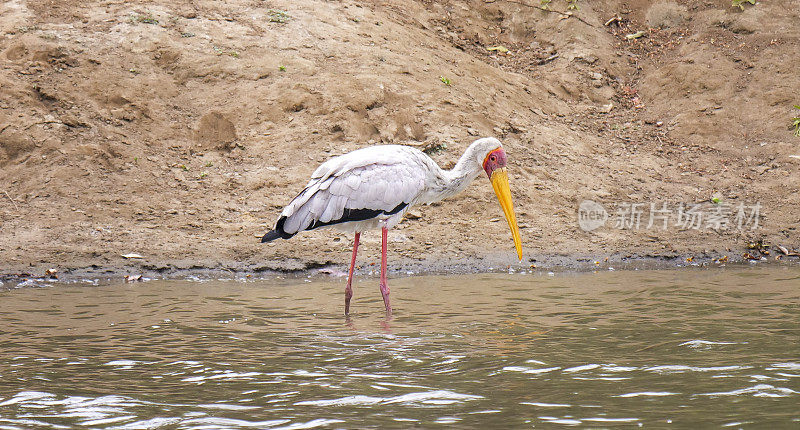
<point>381,154</point>
<point>361,185</point>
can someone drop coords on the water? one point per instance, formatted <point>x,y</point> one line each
<point>621,349</point>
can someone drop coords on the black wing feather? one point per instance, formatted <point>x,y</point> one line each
<point>349,215</point>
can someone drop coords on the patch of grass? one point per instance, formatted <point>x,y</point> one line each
<point>796,123</point>
<point>434,147</point>
<point>544,4</point>
<point>27,29</point>
<point>573,5</point>
<point>740,3</point>
<point>278,16</point>
<point>183,166</point>
<point>144,18</point>
<point>222,51</point>
<point>444,80</point>
<point>282,68</point>
<point>209,164</point>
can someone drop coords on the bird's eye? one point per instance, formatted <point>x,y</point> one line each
<point>493,158</point>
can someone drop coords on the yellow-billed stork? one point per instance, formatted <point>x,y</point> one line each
<point>373,187</point>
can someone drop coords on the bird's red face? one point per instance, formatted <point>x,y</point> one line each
<point>495,166</point>
<point>494,160</point>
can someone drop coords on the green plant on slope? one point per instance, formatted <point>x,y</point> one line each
<point>279,16</point>
<point>796,123</point>
<point>573,5</point>
<point>143,18</point>
<point>740,3</point>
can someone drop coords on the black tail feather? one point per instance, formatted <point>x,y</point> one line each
<point>277,233</point>
<point>270,236</point>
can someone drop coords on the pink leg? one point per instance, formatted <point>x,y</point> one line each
<point>384,285</point>
<point>348,291</point>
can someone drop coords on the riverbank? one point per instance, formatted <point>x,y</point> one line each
<point>177,132</point>
<point>141,271</point>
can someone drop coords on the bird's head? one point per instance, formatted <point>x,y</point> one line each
<point>492,157</point>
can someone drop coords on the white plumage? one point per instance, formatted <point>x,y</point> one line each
<point>377,178</point>
<point>374,187</point>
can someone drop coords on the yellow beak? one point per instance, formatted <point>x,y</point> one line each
<point>500,184</point>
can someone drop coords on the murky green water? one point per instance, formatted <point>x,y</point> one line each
<point>622,349</point>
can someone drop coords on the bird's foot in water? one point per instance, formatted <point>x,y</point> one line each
<point>348,294</point>
<point>385,293</point>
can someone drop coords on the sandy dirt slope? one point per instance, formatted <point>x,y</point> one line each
<point>178,130</point>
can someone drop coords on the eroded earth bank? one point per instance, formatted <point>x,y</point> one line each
<point>178,130</point>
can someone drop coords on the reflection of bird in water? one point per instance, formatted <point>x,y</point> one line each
<point>373,187</point>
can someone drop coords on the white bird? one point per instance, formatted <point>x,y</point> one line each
<point>373,187</point>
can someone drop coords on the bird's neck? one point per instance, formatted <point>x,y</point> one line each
<point>459,177</point>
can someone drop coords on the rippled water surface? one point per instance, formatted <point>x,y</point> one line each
<point>620,349</point>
